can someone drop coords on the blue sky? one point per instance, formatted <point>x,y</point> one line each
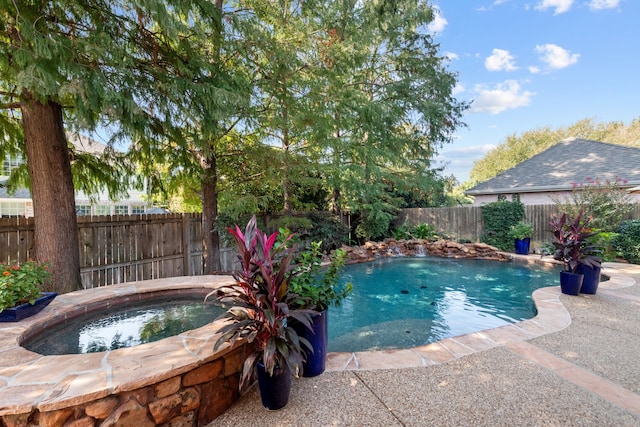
<point>528,64</point>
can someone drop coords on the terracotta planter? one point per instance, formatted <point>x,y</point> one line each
<point>15,314</point>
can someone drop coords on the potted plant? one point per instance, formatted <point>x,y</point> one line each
<point>261,312</point>
<point>317,286</point>
<point>21,292</point>
<point>572,248</point>
<point>521,233</point>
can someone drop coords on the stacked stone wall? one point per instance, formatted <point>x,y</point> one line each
<point>192,399</point>
<point>418,247</point>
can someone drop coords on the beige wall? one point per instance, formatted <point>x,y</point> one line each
<point>545,198</point>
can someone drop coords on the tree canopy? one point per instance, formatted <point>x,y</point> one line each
<point>291,101</point>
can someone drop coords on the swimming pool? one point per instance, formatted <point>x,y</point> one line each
<point>408,302</point>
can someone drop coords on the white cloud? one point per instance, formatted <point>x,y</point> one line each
<point>457,89</point>
<point>459,161</point>
<point>533,69</point>
<point>555,56</point>
<point>451,56</point>
<point>603,4</point>
<point>503,96</point>
<point>439,22</point>
<point>500,60</point>
<point>560,6</point>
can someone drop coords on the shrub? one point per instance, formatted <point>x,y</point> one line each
<point>605,241</point>
<point>22,283</point>
<point>402,232</point>
<point>498,218</point>
<point>605,202</point>
<point>329,230</point>
<point>627,243</point>
<point>425,231</point>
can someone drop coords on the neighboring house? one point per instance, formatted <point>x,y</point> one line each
<point>553,173</point>
<point>20,203</point>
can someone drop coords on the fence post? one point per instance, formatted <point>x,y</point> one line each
<point>186,244</point>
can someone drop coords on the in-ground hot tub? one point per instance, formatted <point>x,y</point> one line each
<point>175,380</point>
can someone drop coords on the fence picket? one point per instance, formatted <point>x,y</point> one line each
<point>128,248</point>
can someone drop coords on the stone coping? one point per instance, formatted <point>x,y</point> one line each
<point>31,381</point>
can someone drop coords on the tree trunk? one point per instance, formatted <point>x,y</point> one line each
<point>54,207</point>
<point>210,235</point>
<point>209,183</point>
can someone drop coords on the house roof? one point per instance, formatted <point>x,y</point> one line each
<point>570,161</point>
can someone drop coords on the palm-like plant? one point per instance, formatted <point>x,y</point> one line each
<point>261,304</point>
<point>572,246</point>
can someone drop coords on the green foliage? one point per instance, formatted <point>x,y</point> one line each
<point>374,222</point>
<point>605,241</point>
<point>627,243</point>
<point>22,283</point>
<point>573,244</point>
<point>402,232</point>
<point>424,231</point>
<point>498,218</point>
<point>329,230</point>
<point>317,286</point>
<point>261,306</point>
<point>605,202</point>
<point>521,230</point>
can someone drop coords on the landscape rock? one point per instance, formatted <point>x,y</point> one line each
<point>418,247</point>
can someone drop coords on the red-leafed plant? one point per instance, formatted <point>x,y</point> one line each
<point>572,246</point>
<point>261,305</point>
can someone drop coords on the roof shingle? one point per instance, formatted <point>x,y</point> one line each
<point>570,161</point>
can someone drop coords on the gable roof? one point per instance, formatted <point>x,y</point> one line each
<point>570,161</point>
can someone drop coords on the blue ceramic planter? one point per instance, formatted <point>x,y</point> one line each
<point>570,283</point>
<point>316,360</point>
<point>275,389</point>
<point>522,246</point>
<point>15,314</point>
<point>591,278</point>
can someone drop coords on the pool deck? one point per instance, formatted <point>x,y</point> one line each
<point>576,363</point>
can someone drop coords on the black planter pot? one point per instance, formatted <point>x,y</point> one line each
<point>15,314</point>
<point>274,390</point>
<point>570,283</point>
<point>522,246</point>
<point>316,360</point>
<point>591,278</point>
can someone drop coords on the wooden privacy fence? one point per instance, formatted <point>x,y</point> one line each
<point>465,222</point>
<point>117,249</point>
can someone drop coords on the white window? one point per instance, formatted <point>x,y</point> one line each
<point>103,210</point>
<point>121,210</point>
<point>137,209</point>
<point>83,209</point>
<point>9,164</point>
<point>12,208</point>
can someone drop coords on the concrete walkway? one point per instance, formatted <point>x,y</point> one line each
<point>586,374</point>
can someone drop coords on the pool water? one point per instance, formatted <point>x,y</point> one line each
<point>408,302</point>
<point>124,326</point>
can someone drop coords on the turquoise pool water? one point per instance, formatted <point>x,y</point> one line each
<point>408,302</point>
<point>126,325</point>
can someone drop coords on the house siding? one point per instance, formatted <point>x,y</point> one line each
<point>542,198</point>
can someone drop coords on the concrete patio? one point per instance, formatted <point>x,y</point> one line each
<point>577,370</point>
